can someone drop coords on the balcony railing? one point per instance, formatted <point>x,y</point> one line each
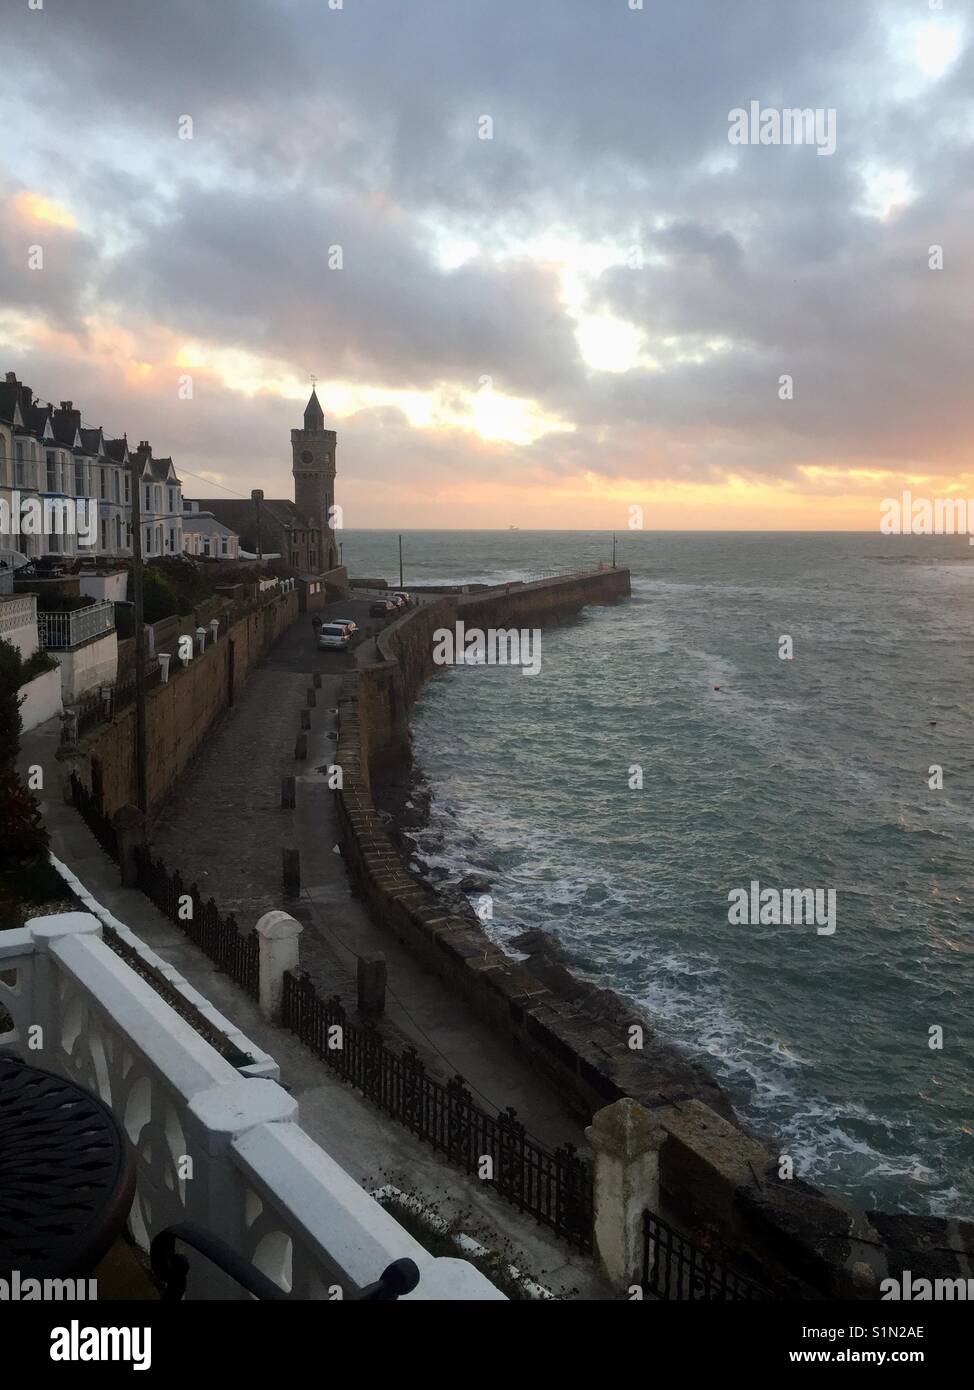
<point>61,631</point>
<point>17,611</point>
<point>259,1183</point>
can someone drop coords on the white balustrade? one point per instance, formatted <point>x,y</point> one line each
<point>213,1147</point>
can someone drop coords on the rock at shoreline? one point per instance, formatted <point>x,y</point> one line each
<point>474,883</point>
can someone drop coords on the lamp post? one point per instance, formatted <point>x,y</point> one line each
<point>140,770</point>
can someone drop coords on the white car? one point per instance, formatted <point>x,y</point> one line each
<point>402,598</point>
<point>343,622</point>
<point>331,635</point>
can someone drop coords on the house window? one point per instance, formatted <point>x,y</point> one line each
<point>148,499</point>
<point>223,544</point>
<point>128,535</point>
<point>79,478</point>
<point>20,470</point>
<point>52,471</point>
<point>3,458</point>
<point>118,533</point>
<point>206,545</point>
<point>172,501</point>
<point>102,484</point>
<point>172,538</point>
<point>104,534</point>
<point>126,487</point>
<point>148,540</point>
<point>115,483</point>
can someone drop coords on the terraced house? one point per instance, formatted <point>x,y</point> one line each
<point>52,462</point>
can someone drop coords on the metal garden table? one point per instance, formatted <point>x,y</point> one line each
<point>67,1174</point>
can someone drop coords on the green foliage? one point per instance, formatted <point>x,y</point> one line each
<point>36,665</point>
<point>158,596</point>
<point>10,681</point>
<point>23,836</point>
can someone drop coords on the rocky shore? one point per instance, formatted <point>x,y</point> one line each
<point>666,1075</point>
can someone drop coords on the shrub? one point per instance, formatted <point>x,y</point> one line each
<point>158,596</point>
<point>10,669</point>
<point>23,836</point>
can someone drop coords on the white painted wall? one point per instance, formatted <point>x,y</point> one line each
<point>87,667</point>
<point>109,587</point>
<point>43,700</point>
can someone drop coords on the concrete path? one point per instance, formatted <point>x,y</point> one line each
<point>228,835</point>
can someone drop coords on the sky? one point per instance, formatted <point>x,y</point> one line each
<point>513,242</point>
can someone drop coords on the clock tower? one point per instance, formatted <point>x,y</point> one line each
<point>313,466</point>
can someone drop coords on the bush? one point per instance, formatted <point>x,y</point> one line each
<point>23,836</point>
<point>36,665</point>
<point>10,669</point>
<point>158,596</point>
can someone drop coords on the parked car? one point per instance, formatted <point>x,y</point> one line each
<point>382,608</point>
<point>401,598</point>
<point>344,622</point>
<point>331,635</point>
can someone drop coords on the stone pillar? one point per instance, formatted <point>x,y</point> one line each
<point>214,628</point>
<point>306,719</point>
<point>311,699</point>
<point>625,1144</point>
<point>200,640</point>
<point>279,950</point>
<point>372,984</point>
<point>129,823</point>
<point>164,660</point>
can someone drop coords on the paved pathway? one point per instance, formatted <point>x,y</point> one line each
<point>225,827</point>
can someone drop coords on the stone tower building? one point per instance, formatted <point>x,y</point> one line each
<point>313,466</point>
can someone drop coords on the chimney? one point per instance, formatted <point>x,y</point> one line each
<point>67,405</point>
<point>11,378</point>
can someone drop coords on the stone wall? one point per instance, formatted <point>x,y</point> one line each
<point>180,712</point>
<point>576,1034</point>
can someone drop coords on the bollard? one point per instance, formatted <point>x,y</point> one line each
<point>306,719</point>
<point>164,660</point>
<point>311,699</point>
<point>316,680</point>
<point>301,747</point>
<point>291,872</point>
<point>372,984</point>
<point>288,786</point>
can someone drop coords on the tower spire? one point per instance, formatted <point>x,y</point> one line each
<point>314,417</point>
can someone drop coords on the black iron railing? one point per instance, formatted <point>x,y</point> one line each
<point>554,1187</point>
<point>88,804</point>
<point>109,701</point>
<point>675,1268</point>
<point>230,950</point>
<point>171,1269</point>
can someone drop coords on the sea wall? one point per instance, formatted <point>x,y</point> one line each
<point>180,713</point>
<point>577,1034</point>
<point>714,1173</point>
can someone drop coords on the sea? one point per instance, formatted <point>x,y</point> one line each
<point>669,751</point>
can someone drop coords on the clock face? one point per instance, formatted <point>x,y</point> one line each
<point>307,456</point>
